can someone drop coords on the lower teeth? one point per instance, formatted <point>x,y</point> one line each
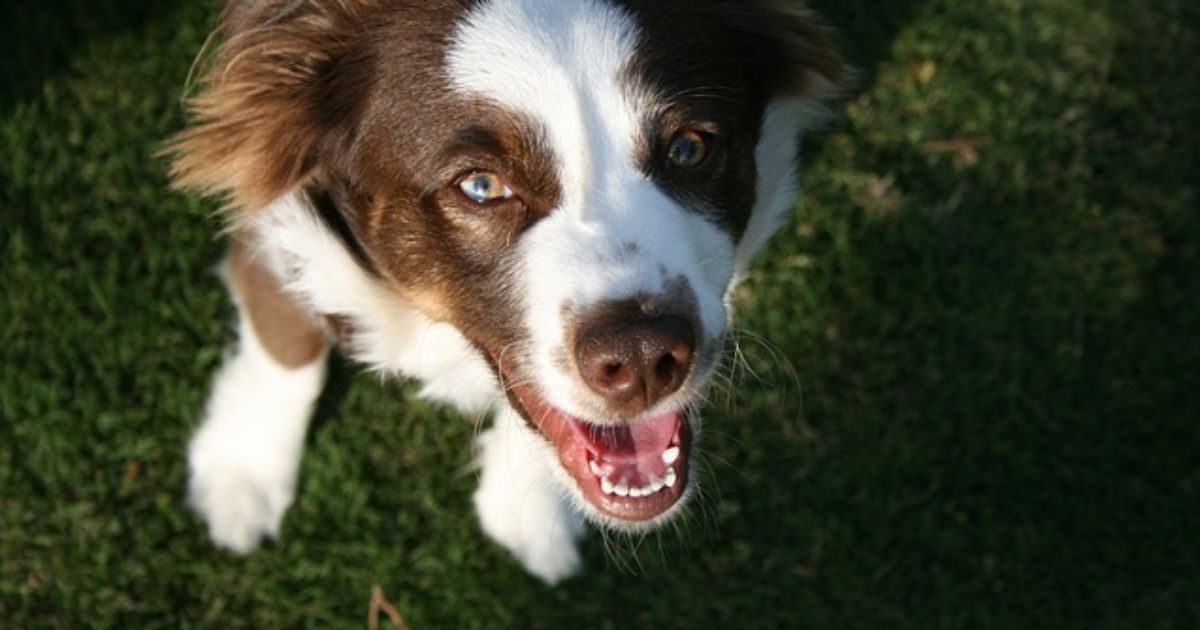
<point>622,489</point>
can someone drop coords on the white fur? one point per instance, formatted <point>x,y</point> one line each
<point>519,504</point>
<point>777,158</point>
<point>244,459</point>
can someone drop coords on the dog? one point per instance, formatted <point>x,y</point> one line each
<point>538,208</point>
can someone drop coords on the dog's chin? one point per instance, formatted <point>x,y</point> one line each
<point>632,476</point>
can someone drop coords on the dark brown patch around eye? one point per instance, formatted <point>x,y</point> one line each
<point>685,59</point>
<point>500,163</point>
<point>700,152</point>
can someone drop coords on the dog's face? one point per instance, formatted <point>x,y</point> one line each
<point>573,184</point>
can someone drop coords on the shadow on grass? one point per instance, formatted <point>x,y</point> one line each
<point>342,374</point>
<point>864,30</point>
<point>41,38</point>
<point>1009,383</point>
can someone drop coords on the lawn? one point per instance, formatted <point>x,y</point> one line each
<point>977,404</point>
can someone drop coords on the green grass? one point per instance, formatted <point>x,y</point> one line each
<point>991,297</point>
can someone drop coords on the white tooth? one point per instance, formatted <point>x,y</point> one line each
<point>596,468</point>
<point>670,478</point>
<point>622,489</point>
<point>606,485</point>
<point>656,484</point>
<point>636,493</point>
<point>671,455</point>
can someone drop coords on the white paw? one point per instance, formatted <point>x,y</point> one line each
<point>550,558</point>
<point>543,540</point>
<point>241,502</point>
<point>244,460</point>
<point>520,505</point>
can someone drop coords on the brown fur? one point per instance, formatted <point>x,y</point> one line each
<point>263,119</point>
<point>286,330</point>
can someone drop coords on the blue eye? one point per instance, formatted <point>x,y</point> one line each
<point>485,188</point>
<point>689,149</point>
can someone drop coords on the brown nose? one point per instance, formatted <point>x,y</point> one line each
<point>635,363</point>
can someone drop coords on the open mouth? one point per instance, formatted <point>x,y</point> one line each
<point>633,472</point>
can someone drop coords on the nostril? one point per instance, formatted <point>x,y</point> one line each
<point>665,369</point>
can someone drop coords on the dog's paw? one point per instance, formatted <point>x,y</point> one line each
<point>241,505</point>
<point>551,559</point>
<point>538,530</point>
<point>243,462</point>
<point>519,505</point>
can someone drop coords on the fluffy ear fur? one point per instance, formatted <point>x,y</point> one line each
<point>281,92</point>
<point>788,53</point>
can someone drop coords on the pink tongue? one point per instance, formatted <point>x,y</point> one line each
<point>638,445</point>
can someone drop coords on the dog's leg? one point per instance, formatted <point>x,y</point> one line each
<point>244,459</point>
<point>520,504</point>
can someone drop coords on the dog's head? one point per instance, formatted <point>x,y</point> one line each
<point>573,184</point>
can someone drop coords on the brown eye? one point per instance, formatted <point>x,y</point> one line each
<point>688,149</point>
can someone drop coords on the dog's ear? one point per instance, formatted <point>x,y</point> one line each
<point>793,68</point>
<point>787,53</point>
<point>242,15</point>
<point>280,97</point>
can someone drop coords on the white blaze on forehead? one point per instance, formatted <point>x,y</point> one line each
<point>615,235</point>
<point>561,63</point>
